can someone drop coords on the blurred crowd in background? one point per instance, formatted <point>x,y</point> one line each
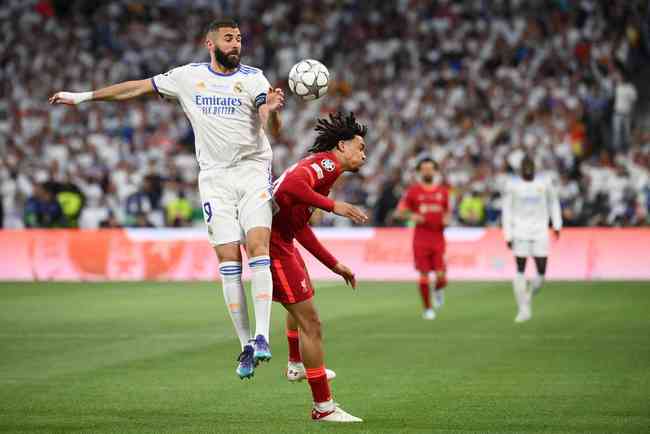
<point>475,84</point>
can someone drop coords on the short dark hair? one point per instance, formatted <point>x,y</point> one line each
<point>338,127</point>
<point>421,161</point>
<point>219,23</point>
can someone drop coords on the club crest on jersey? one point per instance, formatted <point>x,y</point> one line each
<point>200,85</point>
<point>239,87</point>
<point>328,165</point>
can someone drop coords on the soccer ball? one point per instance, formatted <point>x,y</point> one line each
<point>308,79</point>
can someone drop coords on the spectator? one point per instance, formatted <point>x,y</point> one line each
<point>625,97</point>
<point>471,210</point>
<point>387,200</point>
<point>142,207</point>
<point>473,83</point>
<point>179,211</point>
<point>42,210</point>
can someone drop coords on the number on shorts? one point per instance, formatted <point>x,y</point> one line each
<point>207,209</point>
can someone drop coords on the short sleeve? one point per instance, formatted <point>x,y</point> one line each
<point>260,86</point>
<point>168,84</point>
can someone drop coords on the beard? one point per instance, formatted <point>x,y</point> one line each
<point>229,61</point>
<point>427,179</point>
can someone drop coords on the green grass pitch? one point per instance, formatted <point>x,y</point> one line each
<point>160,358</point>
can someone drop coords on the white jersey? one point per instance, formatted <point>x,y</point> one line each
<point>222,109</point>
<point>527,208</point>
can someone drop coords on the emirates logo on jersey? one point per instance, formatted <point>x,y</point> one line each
<point>328,165</point>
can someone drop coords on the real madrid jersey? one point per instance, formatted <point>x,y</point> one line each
<point>527,208</point>
<point>222,109</point>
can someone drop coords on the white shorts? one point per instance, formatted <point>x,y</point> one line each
<point>525,248</point>
<point>235,200</point>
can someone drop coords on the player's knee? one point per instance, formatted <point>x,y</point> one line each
<point>257,242</point>
<point>228,252</point>
<point>312,328</point>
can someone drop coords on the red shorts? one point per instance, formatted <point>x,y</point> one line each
<point>291,283</point>
<point>429,257</point>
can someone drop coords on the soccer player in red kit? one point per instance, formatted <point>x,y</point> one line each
<point>426,203</point>
<point>339,147</point>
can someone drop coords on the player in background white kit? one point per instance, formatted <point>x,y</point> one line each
<point>528,204</point>
<point>229,106</point>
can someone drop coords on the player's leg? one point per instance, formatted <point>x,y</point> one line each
<point>520,249</point>
<point>295,368</point>
<point>224,233</point>
<point>257,242</point>
<point>255,218</point>
<point>235,298</point>
<point>293,339</point>
<point>311,349</point>
<point>440,269</point>
<point>540,255</point>
<point>538,280</point>
<point>423,266</point>
<point>425,293</point>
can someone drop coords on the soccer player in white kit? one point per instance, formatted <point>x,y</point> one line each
<point>229,106</point>
<point>528,204</point>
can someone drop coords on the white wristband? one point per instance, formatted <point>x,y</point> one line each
<point>76,97</point>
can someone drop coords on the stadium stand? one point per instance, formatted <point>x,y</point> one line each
<point>476,84</point>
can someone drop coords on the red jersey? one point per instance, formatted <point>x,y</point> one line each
<point>433,204</point>
<point>301,188</point>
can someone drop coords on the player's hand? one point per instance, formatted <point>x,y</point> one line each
<point>350,211</point>
<point>70,98</point>
<point>417,218</point>
<point>346,274</point>
<point>275,99</point>
<point>557,234</point>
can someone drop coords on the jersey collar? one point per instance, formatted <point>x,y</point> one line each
<point>220,74</point>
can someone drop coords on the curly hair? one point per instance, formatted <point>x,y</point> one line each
<point>338,127</point>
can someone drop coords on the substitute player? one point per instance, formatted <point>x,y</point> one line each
<point>339,147</point>
<point>426,203</point>
<point>229,106</point>
<point>528,204</point>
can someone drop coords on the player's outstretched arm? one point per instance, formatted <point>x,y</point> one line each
<point>116,92</point>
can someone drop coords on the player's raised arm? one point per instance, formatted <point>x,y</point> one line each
<point>116,92</point>
<point>270,110</point>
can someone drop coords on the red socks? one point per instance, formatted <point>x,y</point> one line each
<point>441,283</point>
<point>294,346</point>
<point>425,292</point>
<point>320,388</point>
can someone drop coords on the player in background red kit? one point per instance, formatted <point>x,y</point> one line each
<point>339,147</point>
<point>426,203</point>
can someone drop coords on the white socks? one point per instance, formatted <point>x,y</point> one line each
<point>538,281</point>
<point>325,407</point>
<point>233,294</point>
<point>519,289</point>
<point>262,291</point>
